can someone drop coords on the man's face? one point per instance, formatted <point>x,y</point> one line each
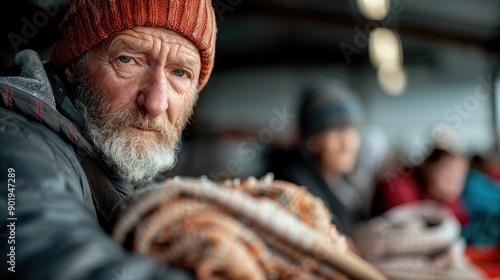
<point>336,150</point>
<point>137,90</point>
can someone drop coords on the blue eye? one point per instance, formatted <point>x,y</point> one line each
<point>179,73</point>
<point>125,59</point>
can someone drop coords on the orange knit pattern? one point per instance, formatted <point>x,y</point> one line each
<point>88,22</point>
<point>257,229</point>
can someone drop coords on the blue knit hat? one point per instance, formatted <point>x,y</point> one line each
<point>328,105</point>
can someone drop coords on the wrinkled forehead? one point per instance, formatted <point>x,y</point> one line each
<point>150,39</point>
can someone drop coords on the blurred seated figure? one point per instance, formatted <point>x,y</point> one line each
<point>329,118</point>
<point>441,177</point>
<point>481,196</point>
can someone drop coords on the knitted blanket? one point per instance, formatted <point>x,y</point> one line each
<point>255,229</point>
<point>416,241</point>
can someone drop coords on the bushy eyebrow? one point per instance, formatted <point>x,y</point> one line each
<point>186,61</point>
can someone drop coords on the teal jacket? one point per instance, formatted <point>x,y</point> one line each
<point>482,199</point>
<point>49,227</point>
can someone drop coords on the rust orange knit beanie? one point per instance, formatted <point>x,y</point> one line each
<point>88,22</point>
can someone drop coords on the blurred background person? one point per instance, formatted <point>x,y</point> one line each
<point>481,196</point>
<point>329,120</point>
<point>441,177</point>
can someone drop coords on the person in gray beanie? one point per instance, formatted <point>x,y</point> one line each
<point>328,105</point>
<point>329,119</point>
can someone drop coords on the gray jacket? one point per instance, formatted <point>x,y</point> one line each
<point>48,223</point>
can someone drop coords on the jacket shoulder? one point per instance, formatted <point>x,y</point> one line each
<point>42,159</point>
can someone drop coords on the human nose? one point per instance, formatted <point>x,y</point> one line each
<point>154,94</point>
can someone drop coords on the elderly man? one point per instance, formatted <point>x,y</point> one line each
<point>79,133</point>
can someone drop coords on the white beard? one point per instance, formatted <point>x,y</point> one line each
<point>121,150</point>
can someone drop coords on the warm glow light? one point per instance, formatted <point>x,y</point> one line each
<point>374,9</point>
<point>392,80</point>
<point>385,47</point>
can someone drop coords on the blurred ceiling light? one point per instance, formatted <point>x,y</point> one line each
<point>391,79</point>
<point>385,47</point>
<point>374,9</point>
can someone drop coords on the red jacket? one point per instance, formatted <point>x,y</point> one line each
<point>405,188</point>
